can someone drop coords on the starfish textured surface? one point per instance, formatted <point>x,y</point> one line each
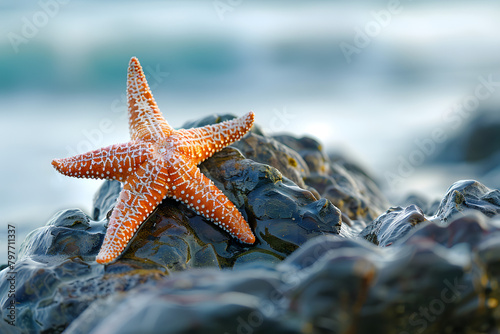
<point>158,162</point>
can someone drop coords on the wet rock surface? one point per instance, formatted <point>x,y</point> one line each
<point>345,184</point>
<point>461,198</point>
<point>332,256</point>
<point>469,195</point>
<point>392,225</point>
<point>303,161</point>
<point>330,285</point>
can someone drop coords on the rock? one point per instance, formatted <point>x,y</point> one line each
<point>303,161</point>
<point>307,272</point>
<point>345,184</point>
<point>58,277</point>
<point>331,284</point>
<point>468,230</point>
<point>69,233</point>
<point>461,197</point>
<point>268,151</point>
<point>223,302</point>
<point>393,225</point>
<point>468,195</point>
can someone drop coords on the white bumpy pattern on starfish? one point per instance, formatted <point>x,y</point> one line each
<point>159,162</point>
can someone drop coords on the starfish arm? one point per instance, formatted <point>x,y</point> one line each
<point>201,143</point>
<point>145,119</point>
<point>141,194</point>
<point>112,163</point>
<point>193,188</point>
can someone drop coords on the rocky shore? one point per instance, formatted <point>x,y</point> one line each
<point>332,256</point>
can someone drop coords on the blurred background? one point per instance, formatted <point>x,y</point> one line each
<point>394,87</point>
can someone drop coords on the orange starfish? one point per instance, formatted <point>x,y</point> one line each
<point>158,162</point>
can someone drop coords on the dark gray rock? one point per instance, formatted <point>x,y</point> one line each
<point>461,198</point>
<point>194,302</point>
<point>469,195</point>
<point>433,282</point>
<point>181,274</point>
<point>58,277</point>
<point>467,230</point>
<point>345,184</point>
<point>393,225</point>
<point>303,161</point>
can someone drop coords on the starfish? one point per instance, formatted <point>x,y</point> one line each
<point>159,162</point>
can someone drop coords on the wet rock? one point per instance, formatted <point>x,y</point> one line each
<point>307,272</point>
<point>428,207</point>
<point>336,286</point>
<point>193,302</point>
<point>461,197</point>
<point>6,328</point>
<point>468,230</point>
<point>330,285</point>
<point>58,277</point>
<point>303,161</point>
<point>469,195</point>
<point>266,150</point>
<point>345,184</point>
<point>393,225</point>
<point>69,233</point>
<point>310,150</point>
<point>438,278</point>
